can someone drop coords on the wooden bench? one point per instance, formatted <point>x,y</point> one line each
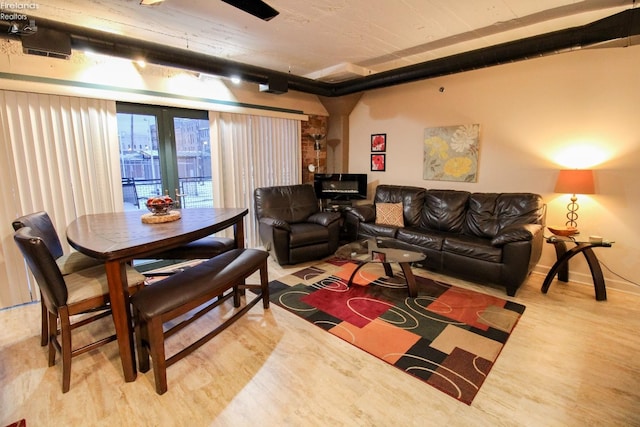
<point>207,284</point>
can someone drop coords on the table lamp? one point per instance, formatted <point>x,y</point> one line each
<point>574,181</point>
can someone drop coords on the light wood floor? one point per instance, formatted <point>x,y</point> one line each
<point>571,361</point>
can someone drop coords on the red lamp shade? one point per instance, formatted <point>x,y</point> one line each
<point>575,181</point>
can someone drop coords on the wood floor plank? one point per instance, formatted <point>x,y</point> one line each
<point>571,361</point>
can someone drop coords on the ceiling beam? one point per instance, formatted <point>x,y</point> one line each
<point>623,26</point>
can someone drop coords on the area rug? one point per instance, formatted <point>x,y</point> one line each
<point>448,336</point>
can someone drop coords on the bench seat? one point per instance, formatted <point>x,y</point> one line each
<point>206,283</point>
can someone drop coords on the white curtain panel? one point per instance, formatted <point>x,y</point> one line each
<point>59,154</point>
<point>249,152</point>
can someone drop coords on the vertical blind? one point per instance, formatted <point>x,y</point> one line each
<point>59,154</point>
<point>251,152</point>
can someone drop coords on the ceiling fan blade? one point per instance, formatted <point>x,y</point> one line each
<point>256,8</point>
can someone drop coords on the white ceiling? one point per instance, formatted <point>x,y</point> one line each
<point>331,40</point>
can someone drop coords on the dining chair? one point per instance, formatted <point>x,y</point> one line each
<point>41,225</point>
<point>65,296</point>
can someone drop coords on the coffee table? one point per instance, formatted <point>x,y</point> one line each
<point>383,250</point>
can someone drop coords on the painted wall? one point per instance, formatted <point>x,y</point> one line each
<point>105,77</point>
<point>529,113</point>
<point>570,110</point>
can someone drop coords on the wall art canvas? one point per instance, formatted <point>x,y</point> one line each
<point>378,162</point>
<point>451,153</point>
<point>379,142</point>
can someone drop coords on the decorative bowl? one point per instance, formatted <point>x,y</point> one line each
<point>563,230</point>
<point>160,205</point>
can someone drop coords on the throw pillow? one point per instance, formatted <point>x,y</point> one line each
<point>389,214</point>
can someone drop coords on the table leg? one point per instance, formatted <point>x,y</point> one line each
<point>554,269</point>
<point>387,269</point>
<point>563,269</point>
<point>596,274</point>
<point>119,296</point>
<point>410,278</point>
<point>238,233</point>
<point>594,266</point>
<point>238,237</point>
<point>353,275</point>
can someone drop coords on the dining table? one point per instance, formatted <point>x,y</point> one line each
<point>121,237</point>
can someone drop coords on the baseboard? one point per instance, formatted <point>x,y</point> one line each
<point>585,279</point>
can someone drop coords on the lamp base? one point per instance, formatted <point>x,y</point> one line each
<point>572,214</point>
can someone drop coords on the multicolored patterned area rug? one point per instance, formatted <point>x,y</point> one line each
<point>448,336</point>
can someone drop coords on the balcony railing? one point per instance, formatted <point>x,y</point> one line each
<point>196,192</point>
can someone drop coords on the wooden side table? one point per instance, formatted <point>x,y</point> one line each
<point>561,267</point>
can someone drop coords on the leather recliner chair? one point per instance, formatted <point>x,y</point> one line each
<point>291,225</point>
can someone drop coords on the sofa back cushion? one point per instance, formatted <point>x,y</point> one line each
<point>412,199</point>
<point>290,203</point>
<point>488,213</point>
<point>445,210</point>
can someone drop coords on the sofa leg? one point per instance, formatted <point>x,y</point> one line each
<point>511,292</point>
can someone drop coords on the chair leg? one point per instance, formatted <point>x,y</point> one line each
<point>236,295</point>
<point>142,337</point>
<point>44,333</point>
<point>264,285</point>
<point>156,344</point>
<point>52,325</point>
<point>65,332</point>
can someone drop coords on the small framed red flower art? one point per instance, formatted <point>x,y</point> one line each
<point>379,142</point>
<point>378,162</point>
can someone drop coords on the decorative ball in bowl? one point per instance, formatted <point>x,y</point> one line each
<point>160,205</point>
<point>563,230</point>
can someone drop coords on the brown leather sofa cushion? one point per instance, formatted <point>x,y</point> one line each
<point>445,210</point>
<point>488,213</point>
<point>472,247</point>
<point>422,237</point>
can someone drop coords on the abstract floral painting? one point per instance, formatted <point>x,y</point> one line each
<point>451,153</point>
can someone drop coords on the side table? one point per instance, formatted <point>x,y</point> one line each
<point>561,267</point>
<point>341,209</point>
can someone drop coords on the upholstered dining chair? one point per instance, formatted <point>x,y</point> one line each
<point>83,292</point>
<point>42,226</point>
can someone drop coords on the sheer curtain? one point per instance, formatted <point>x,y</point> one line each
<point>249,152</point>
<point>59,154</point>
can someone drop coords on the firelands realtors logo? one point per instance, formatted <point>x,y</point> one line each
<point>16,14</point>
<point>10,11</point>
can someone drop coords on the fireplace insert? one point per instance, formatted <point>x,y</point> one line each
<point>341,186</point>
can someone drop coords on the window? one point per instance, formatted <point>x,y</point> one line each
<point>164,151</point>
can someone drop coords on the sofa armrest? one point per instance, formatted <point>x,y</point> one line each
<point>363,213</point>
<point>324,218</point>
<point>275,223</point>
<point>516,233</point>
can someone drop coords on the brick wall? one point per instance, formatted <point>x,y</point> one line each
<point>315,125</point>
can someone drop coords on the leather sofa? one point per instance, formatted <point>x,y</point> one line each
<point>291,225</point>
<point>483,237</point>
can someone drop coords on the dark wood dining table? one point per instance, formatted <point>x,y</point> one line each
<point>120,237</point>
